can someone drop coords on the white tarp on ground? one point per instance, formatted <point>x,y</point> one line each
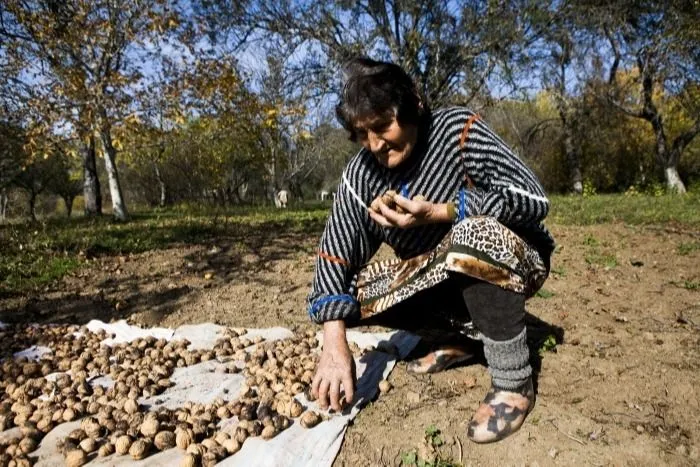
<point>295,446</point>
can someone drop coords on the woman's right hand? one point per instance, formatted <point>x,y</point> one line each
<point>416,212</point>
<point>335,369</point>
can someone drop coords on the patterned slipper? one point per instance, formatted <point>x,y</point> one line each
<point>440,360</point>
<point>501,413</point>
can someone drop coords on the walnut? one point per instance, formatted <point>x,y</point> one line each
<point>295,408</point>
<point>122,444</point>
<point>139,449</point>
<point>183,439</point>
<point>190,460</point>
<point>105,450</point>
<point>268,432</point>
<point>164,440</point>
<point>76,458</point>
<point>384,386</point>
<point>232,446</point>
<point>310,419</point>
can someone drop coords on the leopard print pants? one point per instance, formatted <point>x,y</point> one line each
<point>478,247</point>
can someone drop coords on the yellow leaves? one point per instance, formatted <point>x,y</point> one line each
<point>117,144</point>
<point>132,119</point>
<point>545,104</point>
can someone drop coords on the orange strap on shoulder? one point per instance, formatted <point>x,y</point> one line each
<point>465,131</point>
<point>463,139</point>
<point>333,259</point>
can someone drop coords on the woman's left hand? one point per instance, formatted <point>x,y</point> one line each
<point>417,212</point>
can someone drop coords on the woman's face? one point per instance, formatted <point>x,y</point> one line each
<point>389,141</point>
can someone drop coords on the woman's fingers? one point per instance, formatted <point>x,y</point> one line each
<point>328,391</point>
<point>394,218</point>
<point>335,395</point>
<point>349,387</point>
<point>409,206</point>
<point>323,391</point>
<point>379,219</point>
<point>386,217</point>
<point>315,384</point>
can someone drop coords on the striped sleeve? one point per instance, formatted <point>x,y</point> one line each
<point>503,186</point>
<point>347,243</point>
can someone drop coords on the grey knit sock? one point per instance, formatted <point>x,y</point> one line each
<point>508,361</point>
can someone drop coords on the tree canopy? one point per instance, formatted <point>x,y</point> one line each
<point>229,102</point>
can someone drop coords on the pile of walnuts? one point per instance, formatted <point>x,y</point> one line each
<point>38,395</point>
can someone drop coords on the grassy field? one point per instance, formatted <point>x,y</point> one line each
<point>639,209</point>
<point>33,255</point>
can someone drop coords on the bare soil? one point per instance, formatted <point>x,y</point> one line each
<point>621,387</point>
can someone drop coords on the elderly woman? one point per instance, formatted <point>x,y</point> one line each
<point>463,214</point>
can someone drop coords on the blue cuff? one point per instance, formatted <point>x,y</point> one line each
<point>462,204</point>
<point>318,304</point>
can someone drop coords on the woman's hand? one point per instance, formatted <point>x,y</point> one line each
<point>335,369</point>
<point>416,212</point>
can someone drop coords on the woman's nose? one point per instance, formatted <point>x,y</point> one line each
<point>376,143</point>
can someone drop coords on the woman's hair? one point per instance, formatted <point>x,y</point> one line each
<point>377,89</point>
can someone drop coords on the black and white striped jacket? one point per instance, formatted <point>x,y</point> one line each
<point>459,160</point>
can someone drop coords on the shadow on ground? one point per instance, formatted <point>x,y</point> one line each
<point>157,282</point>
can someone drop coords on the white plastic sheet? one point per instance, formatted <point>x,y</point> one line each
<point>201,383</point>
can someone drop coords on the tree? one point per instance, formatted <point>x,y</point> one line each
<point>65,180</point>
<point>326,150</point>
<point>91,182</point>
<point>12,155</point>
<point>563,49</point>
<point>34,178</point>
<point>451,48</point>
<point>84,58</point>
<point>12,158</point>
<point>660,40</point>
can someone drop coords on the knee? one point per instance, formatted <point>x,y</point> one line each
<point>472,227</point>
<point>476,223</point>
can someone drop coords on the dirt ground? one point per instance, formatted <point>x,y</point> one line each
<point>622,387</point>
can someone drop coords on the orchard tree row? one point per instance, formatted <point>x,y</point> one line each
<point>227,102</point>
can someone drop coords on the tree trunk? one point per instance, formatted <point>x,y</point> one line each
<point>674,184</point>
<point>574,162</point>
<point>68,200</point>
<point>571,152</point>
<point>161,184</point>
<point>673,181</point>
<point>4,201</point>
<point>32,205</point>
<point>272,188</point>
<point>118,207</point>
<point>243,192</point>
<point>91,183</point>
<point>667,159</point>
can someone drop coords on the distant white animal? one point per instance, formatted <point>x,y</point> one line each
<point>282,199</point>
<point>325,195</point>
